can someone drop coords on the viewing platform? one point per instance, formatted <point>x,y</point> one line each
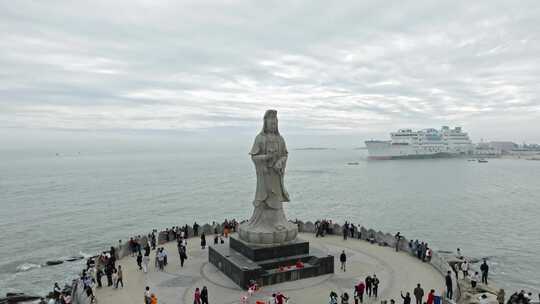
<point>397,271</point>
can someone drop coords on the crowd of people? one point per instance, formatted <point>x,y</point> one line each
<point>105,265</point>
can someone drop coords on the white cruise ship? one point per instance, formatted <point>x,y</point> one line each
<point>427,143</point>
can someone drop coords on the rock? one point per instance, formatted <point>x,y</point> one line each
<point>18,298</point>
<point>75,258</point>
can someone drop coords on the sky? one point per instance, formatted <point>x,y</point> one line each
<point>356,69</point>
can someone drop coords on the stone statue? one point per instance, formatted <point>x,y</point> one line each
<point>268,225</point>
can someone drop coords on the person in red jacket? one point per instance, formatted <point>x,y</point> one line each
<point>431,296</point>
<point>359,292</point>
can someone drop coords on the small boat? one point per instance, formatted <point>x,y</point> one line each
<point>482,160</point>
<point>352,163</point>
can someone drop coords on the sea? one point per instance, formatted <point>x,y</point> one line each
<point>57,204</point>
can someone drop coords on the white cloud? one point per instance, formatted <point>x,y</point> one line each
<point>204,64</point>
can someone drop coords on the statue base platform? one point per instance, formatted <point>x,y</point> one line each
<point>269,236</point>
<point>243,262</point>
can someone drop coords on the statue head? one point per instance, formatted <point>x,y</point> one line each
<point>270,122</point>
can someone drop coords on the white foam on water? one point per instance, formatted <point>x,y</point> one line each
<point>27,266</point>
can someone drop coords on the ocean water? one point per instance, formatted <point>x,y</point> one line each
<point>79,203</point>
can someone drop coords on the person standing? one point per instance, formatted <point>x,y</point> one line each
<point>145,262</point>
<point>109,272</point>
<point>57,291</point>
<point>375,281</point>
<point>147,295</point>
<point>120,279</point>
<point>99,275</point>
<point>418,294</point>
<point>204,295</point>
<point>369,286</point>
<point>484,268</point>
<point>182,253</point>
<point>431,297</point>
<point>398,239</point>
<point>359,293</point>
<point>343,260</point>
<point>345,231</point>
<point>448,281</point>
<point>406,298</point>
<point>465,268</point>
<point>197,296</point>
<point>139,260</point>
<point>203,241</point>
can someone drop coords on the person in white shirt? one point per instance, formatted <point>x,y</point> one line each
<point>465,268</point>
<point>474,279</point>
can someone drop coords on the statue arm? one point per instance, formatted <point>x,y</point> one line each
<point>256,150</point>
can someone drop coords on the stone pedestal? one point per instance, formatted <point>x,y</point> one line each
<point>243,262</point>
<point>277,233</point>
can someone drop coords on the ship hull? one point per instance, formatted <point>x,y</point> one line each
<point>386,150</point>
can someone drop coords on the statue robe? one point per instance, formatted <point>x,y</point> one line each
<point>270,192</point>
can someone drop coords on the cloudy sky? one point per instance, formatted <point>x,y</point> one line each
<point>354,67</point>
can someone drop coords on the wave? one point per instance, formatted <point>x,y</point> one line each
<point>27,266</point>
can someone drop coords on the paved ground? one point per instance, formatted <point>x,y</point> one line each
<point>175,285</point>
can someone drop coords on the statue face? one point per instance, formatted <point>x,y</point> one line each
<point>271,124</point>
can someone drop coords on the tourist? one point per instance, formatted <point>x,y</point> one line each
<point>465,268</point>
<point>333,298</point>
<point>406,298</point>
<point>216,239</point>
<point>345,231</point>
<point>153,299</point>
<point>145,262</point>
<point>164,251</point>
<point>345,298</point>
<point>182,254</point>
<point>203,241</point>
<point>66,298</point>
<point>147,295</point>
<point>195,229</point>
<point>56,291</point>
<point>484,268</point>
<point>375,285</point>
<point>99,275</point>
<point>343,260</point>
<point>160,259</point>
<point>109,272</point>
<point>369,286</point>
<point>429,254</point>
<point>197,296</point>
<point>474,279</point>
<point>418,294</point>
<point>281,298</point>
<point>431,297</point>
<point>398,239</point>
<point>359,293</point>
<point>120,277</point>
<point>139,260</point>
<point>459,255</point>
<point>448,281</point>
<point>114,277</point>
<point>500,296</point>
<point>204,295</point>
